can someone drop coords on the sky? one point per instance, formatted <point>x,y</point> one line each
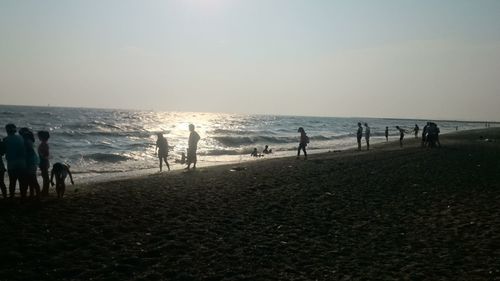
<point>387,58</point>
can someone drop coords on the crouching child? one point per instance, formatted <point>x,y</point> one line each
<point>61,171</point>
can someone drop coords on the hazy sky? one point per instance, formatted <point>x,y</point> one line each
<point>400,58</point>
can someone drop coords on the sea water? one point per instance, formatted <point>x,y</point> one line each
<point>102,143</point>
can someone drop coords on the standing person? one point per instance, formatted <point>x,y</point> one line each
<point>401,135</point>
<point>2,170</point>
<point>424,134</point>
<point>304,140</point>
<point>416,129</point>
<point>61,171</point>
<point>359,135</point>
<point>367,136</point>
<point>192,147</point>
<point>162,147</point>
<point>43,154</point>
<point>15,154</point>
<point>386,134</point>
<point>32,161</point>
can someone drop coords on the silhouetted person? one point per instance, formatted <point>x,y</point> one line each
<point>60,171</point>
<point>267,150</point>
<point>2,170</point>
<point>182,160</point>
<point>162,149</point>
<point>359,135</point>
<point>32,161</point>
<point>254,153</point>
<point>415,130</point>
<point>433,135</point>
<point>192,147</point>
<point>43,154</point>
<point>424,134</point>
<point>304,140</point>
<point>15,155</point>
<point>386,134</point>
<point>367,136</point>
<point>401,135</point>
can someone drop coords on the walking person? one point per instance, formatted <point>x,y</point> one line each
<point>367,136</point>
<point>15,155</point>
<point>401,135</point>
<point>162,149</point>
<point>386,134</point>
<point>192,147</point>
<point>359,135</point>
<point>304,140</point>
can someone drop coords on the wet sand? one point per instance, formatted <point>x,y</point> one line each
<point>386,214</point>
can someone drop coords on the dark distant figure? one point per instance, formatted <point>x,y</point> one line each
<point>43,154</point>
<point>267,150</point>
<point>2,170</point>
<point>401,135</point>
<point>182,160</point>
<point>254,153</point>
<point>433,135</point>
<point>424,134</point>
<point>367,136</point>
<point>359,135</point>
<point>60,171</point>
<point>15,155</point>
<point>32,161</point>
<point>386,134</point>
<point>162,147</point>
<point>415,130</point>
<point>456,128</point>
<point>192,147</point>
<point>304,140</point>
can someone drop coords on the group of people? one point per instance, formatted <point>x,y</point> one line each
<point>161,149</point>
<point>23,162</point>
<point>266,150</point>
<point>430,134</point>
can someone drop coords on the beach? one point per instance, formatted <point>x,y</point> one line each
<point>390,213</point>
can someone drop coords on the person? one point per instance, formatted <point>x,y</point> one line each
<point>32,161</point>
<point>359,135</point>
<point>60,171</point>
<point>254,153</point>
<point>182,160</point>
<point>401,135</point>
<point>304,140</point>
<point>367,136</point>
<point>416,129</point>
<point>267,150</point>
<point>386,134</point>
<point>2,170</point>
<point>424,134</point>
<point>15,155</point>
<point>162,149</point>
<point>192,147</point>
<point>433,135</point>
<point>43,154</point>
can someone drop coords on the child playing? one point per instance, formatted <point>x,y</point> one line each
<point>162,147</point>
<point>43,154</point>
<point>61,171</point>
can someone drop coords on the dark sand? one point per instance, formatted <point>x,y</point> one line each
<point>386,214</point>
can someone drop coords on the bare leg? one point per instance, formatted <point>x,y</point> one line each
<point>166,163</point>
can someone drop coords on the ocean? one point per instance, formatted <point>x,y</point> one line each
<point>104,143</point>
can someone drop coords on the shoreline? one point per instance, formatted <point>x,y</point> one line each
<point>389,213</point>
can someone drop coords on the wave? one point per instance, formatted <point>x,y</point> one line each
<point>218,152</point>
<point>107,157</point>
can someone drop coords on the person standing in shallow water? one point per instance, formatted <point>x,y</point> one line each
<point>415,130</point>
<point>192,147</point>
<point>359,135</point>
<point>304,140</point>
<point>162,147</point>
<point>386,134</point>
<point>15,154</point>
<point>367,136</point>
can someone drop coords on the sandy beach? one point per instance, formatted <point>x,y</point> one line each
<point>390,213</point>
